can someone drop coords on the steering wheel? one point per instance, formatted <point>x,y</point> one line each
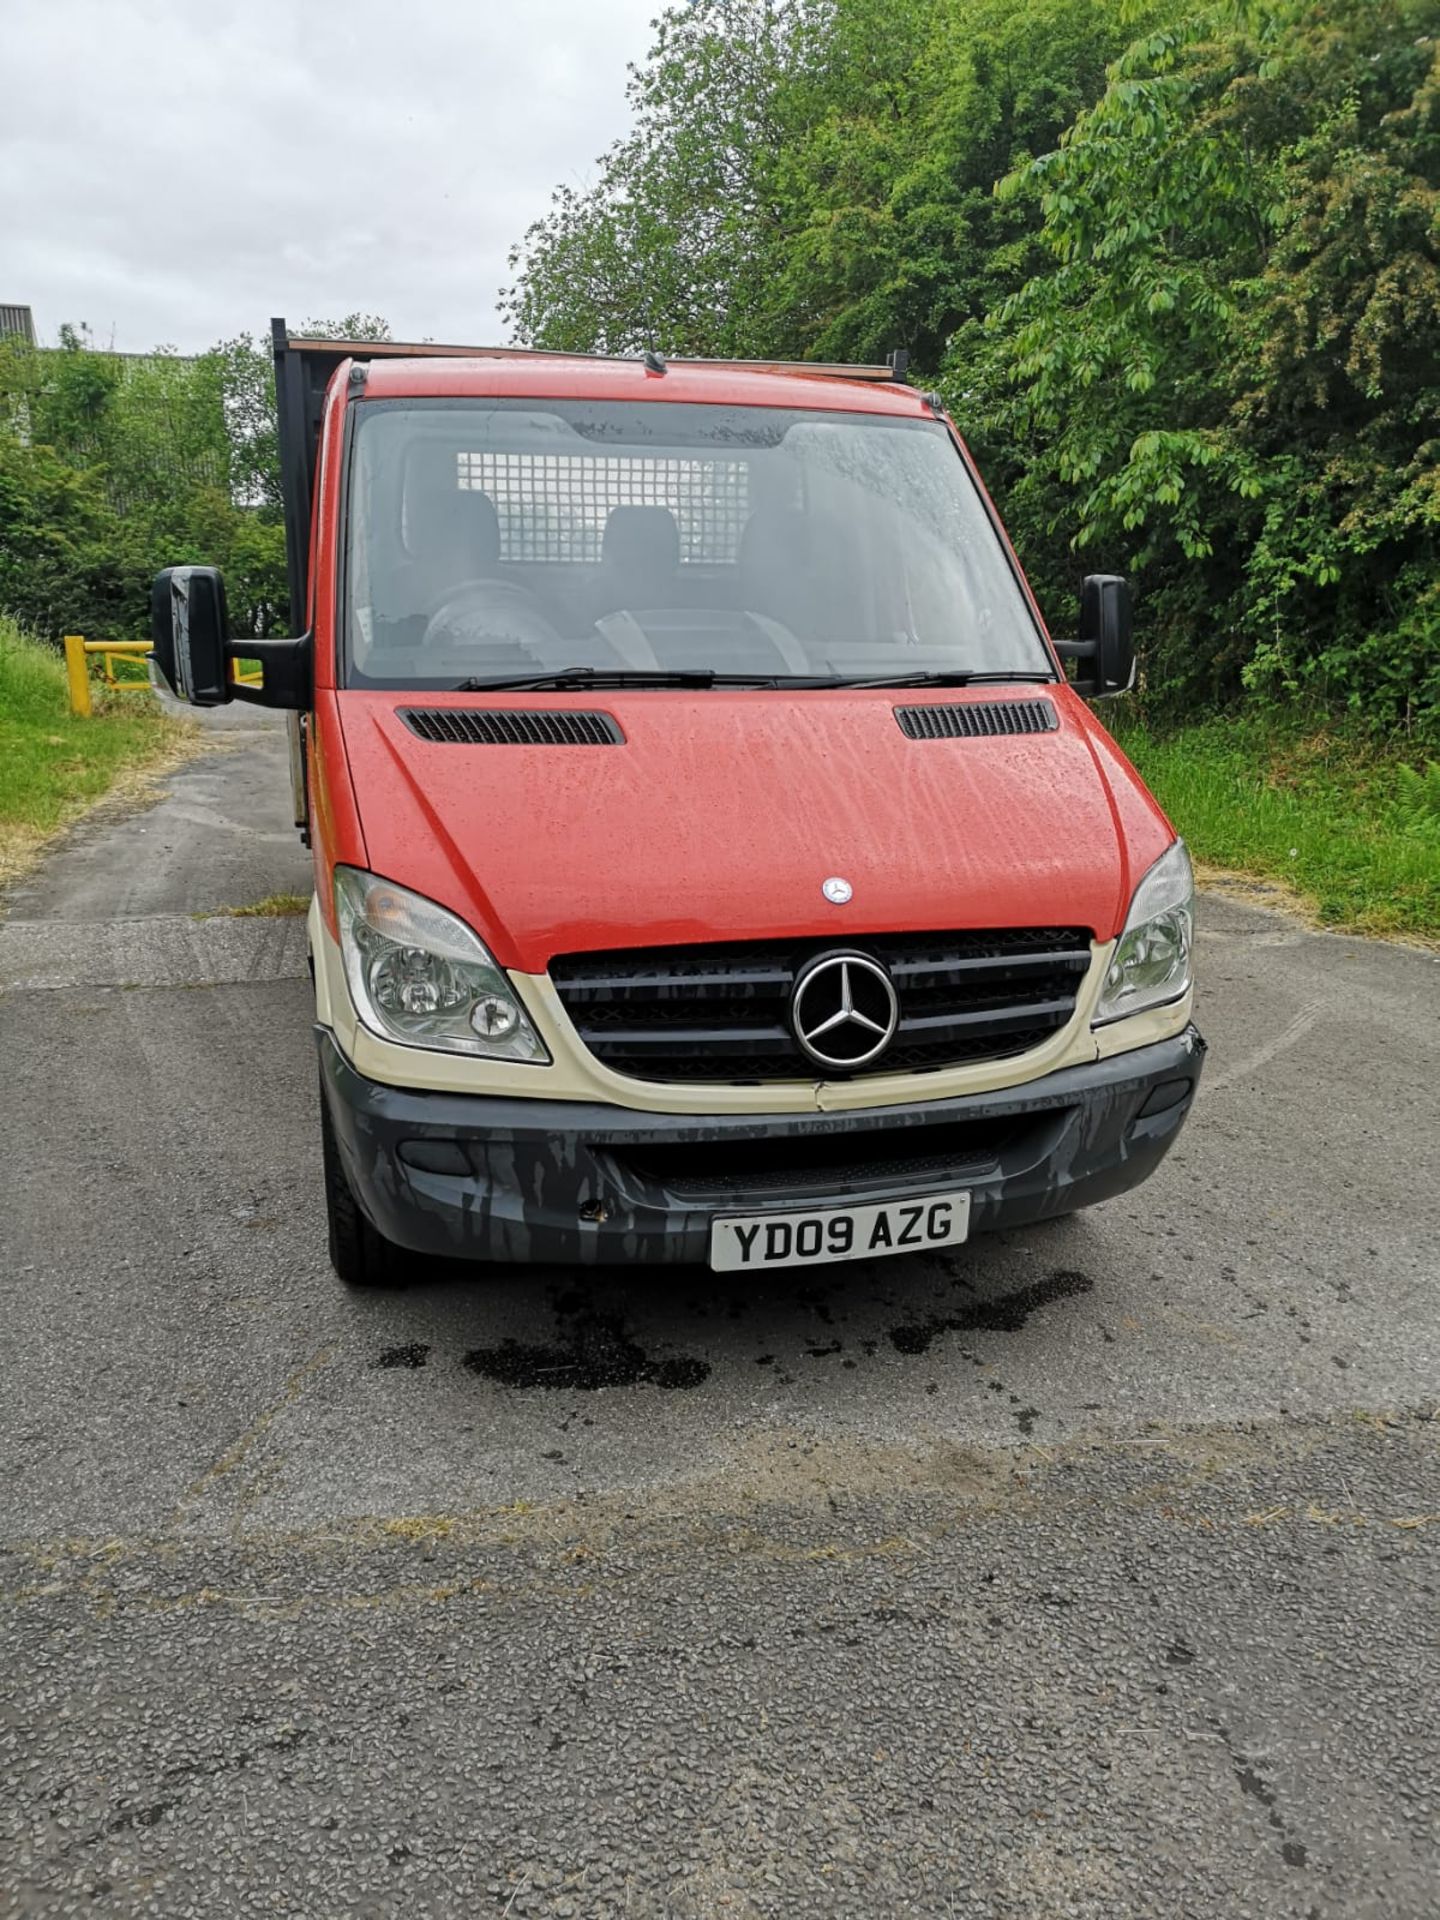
<point>496,609</point>
<point>505,589</point>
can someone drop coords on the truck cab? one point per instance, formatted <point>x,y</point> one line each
<point>713,861</point>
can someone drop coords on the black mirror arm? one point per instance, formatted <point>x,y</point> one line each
<point>287,676</point>
<point>1080,650</point>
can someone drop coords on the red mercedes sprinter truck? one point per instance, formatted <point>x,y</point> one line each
<point>713,860</point>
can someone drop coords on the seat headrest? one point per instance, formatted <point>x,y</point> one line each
<point>785,538</point>
<point>645,538</point>
<point>803,570</point>
<point>457,528</point>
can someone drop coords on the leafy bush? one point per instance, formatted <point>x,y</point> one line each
<point>1229,375</point>
<point>111,468</point>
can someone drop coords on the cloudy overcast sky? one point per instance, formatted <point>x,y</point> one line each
<point>179,170</point>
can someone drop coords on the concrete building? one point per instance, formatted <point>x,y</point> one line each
<point>17,320</point>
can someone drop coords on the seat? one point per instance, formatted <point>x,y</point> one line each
<point>639,560</point>
<point>776,568</point>
<point>454,539</point>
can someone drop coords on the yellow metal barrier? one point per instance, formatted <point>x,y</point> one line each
<point>77,673</point>
<point>77,668</point>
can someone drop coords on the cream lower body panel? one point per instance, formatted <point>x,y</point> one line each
<point>1144,1029</point>
<point>575,1075</point>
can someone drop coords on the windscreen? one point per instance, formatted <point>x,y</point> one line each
<point>491,539</point>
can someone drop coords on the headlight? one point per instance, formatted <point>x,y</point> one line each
<point>1151,962</point>
<point>420,976</point>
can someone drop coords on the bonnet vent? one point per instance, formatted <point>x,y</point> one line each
<point>512,727</point>
<point>977,719</point>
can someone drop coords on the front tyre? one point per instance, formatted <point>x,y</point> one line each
<point>360,1254</point>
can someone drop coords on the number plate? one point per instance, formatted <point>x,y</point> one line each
<point>822,1234</point>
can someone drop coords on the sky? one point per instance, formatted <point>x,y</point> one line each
<point>178,171</point>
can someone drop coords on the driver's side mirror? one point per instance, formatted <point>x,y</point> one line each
<point>1104,651</point>
<point>190,629</point>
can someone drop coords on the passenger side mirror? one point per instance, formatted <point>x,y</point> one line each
<point>188,625</point>
<point>1104,650</point>
<point>190,629</point>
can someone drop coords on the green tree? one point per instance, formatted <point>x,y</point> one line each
<point>65,556</point>
<point>112,467</point>
<point>813,177</point>
<point>354,326</point>
<point>672,244</point>
<point>903,123</point>
<point>66,552</point>
<point>1229,376</point>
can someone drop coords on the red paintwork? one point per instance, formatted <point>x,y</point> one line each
<point>336,834</point>
<point>560,379</point>
<point>724,811</point>
<point>324,574</point>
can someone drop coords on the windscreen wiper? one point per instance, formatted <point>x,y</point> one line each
<point>584,678</point>
<point>957,678</point>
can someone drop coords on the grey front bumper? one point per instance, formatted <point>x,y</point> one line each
<point>578,1183</point>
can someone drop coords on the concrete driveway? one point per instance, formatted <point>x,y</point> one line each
<point>1091,1571</point>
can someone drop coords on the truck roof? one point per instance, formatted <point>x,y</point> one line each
<point>520,375</point>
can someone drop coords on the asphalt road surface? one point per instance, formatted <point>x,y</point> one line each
<point>1090,1570</point>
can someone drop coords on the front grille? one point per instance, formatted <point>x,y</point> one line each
<point>976,719</point>
<point>512,727</point>
<point>721,1012</point>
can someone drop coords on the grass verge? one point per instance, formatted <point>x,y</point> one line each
<point>1350,830</point>
<point>54,765</point>
<point>275,906</point>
